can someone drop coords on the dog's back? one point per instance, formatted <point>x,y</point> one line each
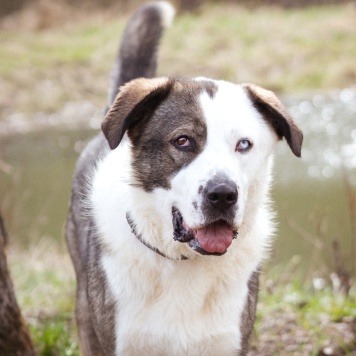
<point>137,57</point>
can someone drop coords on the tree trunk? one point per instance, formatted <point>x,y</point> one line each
<point>14,335</point>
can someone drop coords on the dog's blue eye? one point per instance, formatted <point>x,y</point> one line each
<point>243,145</point>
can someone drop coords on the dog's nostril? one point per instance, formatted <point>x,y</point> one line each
<point>213,197</point>
<point>231,197</point>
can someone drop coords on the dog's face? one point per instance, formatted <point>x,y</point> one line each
<point>206,144</point>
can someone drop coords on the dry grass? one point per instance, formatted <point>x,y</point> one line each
<point>45,287</point>
<point>287,50</point>
<point>292,319</point>
<point>43,277</point>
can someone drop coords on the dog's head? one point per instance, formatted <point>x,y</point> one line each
<point>204,149</point>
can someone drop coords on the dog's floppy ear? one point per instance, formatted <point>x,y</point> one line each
<point>273,111</point>
<point>136,100</point>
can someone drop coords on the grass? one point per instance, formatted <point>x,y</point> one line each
<point>55,335</point>
<point>46,292</point>
<point>292,317</point>
<point>41,70</point>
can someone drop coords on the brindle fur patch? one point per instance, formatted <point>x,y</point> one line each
<point>155,158</point>
<point>249,312</point>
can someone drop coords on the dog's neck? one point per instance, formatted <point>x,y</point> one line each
<point>154,249</point>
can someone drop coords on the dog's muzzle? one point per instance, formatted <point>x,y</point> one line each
<point>211,239</point>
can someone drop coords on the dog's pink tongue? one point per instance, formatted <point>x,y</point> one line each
<point>216,237</point>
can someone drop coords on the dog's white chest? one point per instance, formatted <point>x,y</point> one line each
<point>194,313</point>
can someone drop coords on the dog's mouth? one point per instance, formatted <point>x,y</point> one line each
<point>211,239</point>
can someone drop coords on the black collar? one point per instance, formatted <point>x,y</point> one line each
<point>154,249</point>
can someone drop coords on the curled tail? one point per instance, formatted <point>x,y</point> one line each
<point>137,56</point>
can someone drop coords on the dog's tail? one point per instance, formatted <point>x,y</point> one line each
<point>137,55</point>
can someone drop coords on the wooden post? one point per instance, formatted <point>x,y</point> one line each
<point>14,335</point>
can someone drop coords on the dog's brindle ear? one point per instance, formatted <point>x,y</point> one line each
<point>136,100</point>
<point>273,111</point>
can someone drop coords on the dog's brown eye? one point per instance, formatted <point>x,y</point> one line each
<point>183,141</point>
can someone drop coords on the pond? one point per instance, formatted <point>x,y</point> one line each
<point>313,196</point>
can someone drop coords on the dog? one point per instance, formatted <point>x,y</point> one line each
<point>170,214</point>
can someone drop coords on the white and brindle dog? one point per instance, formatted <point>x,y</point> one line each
<point>170,218</point>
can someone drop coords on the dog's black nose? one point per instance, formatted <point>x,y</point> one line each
<point>222,195</point>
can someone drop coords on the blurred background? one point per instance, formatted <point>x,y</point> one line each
<point>55,57</point>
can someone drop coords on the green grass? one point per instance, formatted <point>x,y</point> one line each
<point>46,292</point>
<point>55,335</point>
<point>295,319</point>
<point>287,50</point>
<point>48,49</point>
<point>291,314</point>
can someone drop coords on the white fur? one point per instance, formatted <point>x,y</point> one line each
<point>191,307</point>
<point>167,11</point>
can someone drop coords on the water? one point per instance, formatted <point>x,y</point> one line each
<point>313,194</point>
<point>37,160</point>
<point>35,192</point>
